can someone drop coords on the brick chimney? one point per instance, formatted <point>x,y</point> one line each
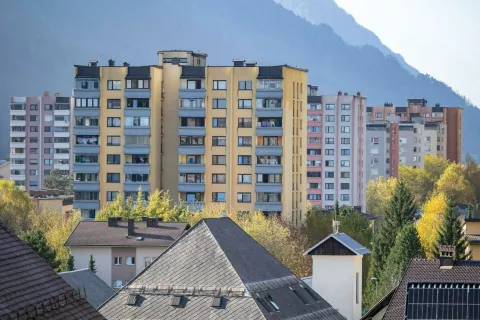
<point>447,257</point>
<point>46,94</point>
<point>131,227</point>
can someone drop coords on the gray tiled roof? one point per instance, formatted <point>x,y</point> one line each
<point>98,233</point>
<point>97,290</point>
<point>26,281</point>
<point>216,253</point>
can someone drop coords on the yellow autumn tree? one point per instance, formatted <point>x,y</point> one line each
<point>378,194</point>
<point>418,180</point>
<point>435,166</point>
<point>16,207</point>
<point>430,222</point>
<point>454,184</point>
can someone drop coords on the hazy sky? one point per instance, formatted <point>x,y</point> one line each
<point>438,37</point>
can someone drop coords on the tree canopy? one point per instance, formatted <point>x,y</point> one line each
<point>36,240</point>
<point>379,193</point>
<point>430,222</point>
<point>57,180</point>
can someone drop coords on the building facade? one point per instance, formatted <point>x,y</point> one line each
<point>40,129</point>
<point>233,134</point>
<point>336,150</point>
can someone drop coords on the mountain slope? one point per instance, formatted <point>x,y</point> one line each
<point>40,52</point>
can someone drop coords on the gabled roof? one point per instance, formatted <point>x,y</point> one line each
<point>342,238</point>
<point>217,258</point>
<point>97,290</point>
<point>27,281</point>
<point>98,233</point>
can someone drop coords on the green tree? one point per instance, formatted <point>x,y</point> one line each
<point>91,264</point>
<point>70,263</point>
<point>472,174</point>
<point>470,212</point>
<point>337,209</point>
<point>36,240</point>
<point>138,208</point>
<point>16,208</point>
<point>378,193</point>
<point>451,233</point>
<point>59,181</point>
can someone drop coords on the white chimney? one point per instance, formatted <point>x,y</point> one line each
<point>337,273</point>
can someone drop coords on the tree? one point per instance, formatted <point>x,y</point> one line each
<point>36,240</point>
<point>59,181</point>
<point>434,166</point>
<point>431,221</point>
<point>454,184</point>
<point>378,195</point>
<point>470,212</point>
<point>91,264</point>
<point>70,263</point>
<point>451,233</point>
<point>418,181</point>
<point>16,207</point>
<point>337,209</point>
<point>138,208</point>
<point>472,174</point>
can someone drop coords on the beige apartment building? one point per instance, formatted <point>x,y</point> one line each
<point>234,134</point>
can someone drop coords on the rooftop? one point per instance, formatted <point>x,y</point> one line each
<point>343,239</point>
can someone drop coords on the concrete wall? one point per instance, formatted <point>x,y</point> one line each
<point>143,253</point>
<point>123,271</point>
<point>102,257</point>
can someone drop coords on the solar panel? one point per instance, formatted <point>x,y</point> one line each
<point>217,302</point>
<point>132,299</point>
<point>443,301</point>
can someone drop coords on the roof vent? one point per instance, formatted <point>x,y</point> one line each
<point>250,64</point>
<point>238,63</point>
<point>345,94</point>
<point>358,93</point>
<point>132,299</point>
<point>447,257</point>
<point>139,238</point>
<point>93,63</point>
<point>111,62</point>
<point>113,221</point>
<point>126,64</point>
<point>178,301</point>
<point>217,302</point>
<point>339,93</point>
<point>152,222</point>
<point>46,94</point>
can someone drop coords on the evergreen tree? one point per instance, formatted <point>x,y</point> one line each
<point>91,264</point>
<point>451,233</point>
<point>36,240</point>
<point>470,213</point>
<point>400,212</point>
<point>337,209</point>
<point>70,263</point>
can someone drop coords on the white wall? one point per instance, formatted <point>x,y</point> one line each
<point>146,252</point>
<point>102,257</point>
<point>333,278</point>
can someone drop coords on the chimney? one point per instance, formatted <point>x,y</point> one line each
<point>339,93</point>
<point>131,227</point>
<point>152,222</point>
<point>112,221</point>
<point>111,62</point>
<point>56,94</point>
<point>250,64</point>
<point>46,94</point>
<point>345,94</point>
<point>238,63</point>
<point>93,63</point>
<point>358,93</point>
<point>447,257</point>
<point>126,64</point>
<point>144,219</point>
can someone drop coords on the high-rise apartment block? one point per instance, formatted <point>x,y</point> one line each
<point>233,134</point>
<point>336,149</point>
<point>40,129</point>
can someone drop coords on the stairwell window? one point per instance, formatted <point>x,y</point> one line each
<point>114,84</point>
<point>138,84</point>
<point>244,197</point>
<point>219,85</point>
<point>219,104</point>
<point>218,196</point>
<point>219,178</point>
<point>245,85</point>
<point>330,107</point>
<point>244,141</point>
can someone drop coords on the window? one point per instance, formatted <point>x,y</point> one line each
<point>219,178</point>
<point>85,177</point>
<point>330,107</point>
<point>313,185</point>
<point>245,85</point>
<point>147,261</point>
<point>244,141</point>
<point>46,172</point>
<point>138,103</point>
<point>114,122</point>
<point>329,197</point>
<point>113,159</point>
<point>33,183</point>
<point>345,107</point>
<point>79,158</point>
<point>244,122</point>
<point>244,197</point>
<point>114,84</point>
<point>314,107</point>
<point>329,140</point>
<point>60,129</point>
<point>86,122</point>
<point>192,122</point>
<point>345,163</point>
<point>48,118</point>
<point>218,196</point>
<point>314,174</point>
<point>219,85</point>
<point>47,129</point>
<point>137,121</point>
<point>329,152</point>
<point>345,186</point>
<point>33,150</point>
<point>269,197</point>
<point>34,172</point>
<point>378,115</point>
<point>47,150</point>
<point>345,141</point>
<point>136,177</point>
<point>113,103</point>
<point>219,122</point>
<point>62,151</point>
<point>269,84</point>
<point>329,174</point>
<point>112,195</point>
<point>219,104</point>
<point>244,178</point>
<point>245,104</point>
<point>329,163</point>
<point>345,152</point>
<point>329,118</point>
<point>34,107</point>
<point>33,129</point>
<point>113,177</point>
<point>86,195</point>
<point>219,160</point>
<point>314,128</point>
<point>32,118</point>
<point>192,140</point>
<point>130,261</point>
<point>61,161</point>
<point>269,178</point>
<point>329,129</point>
<point>82,139</point>
<point>374,140</point>
<point>245,160</point>
<point>329,185</point>
<point>86,103</point>
<point>138,84</point>
<point>117,260</point>
<point>345,118</point>
<point>194,84</point>
<point>313,140</point>
<point>314,152</point>
<point>219,141</point>
<point>314,197</point>
<point>345,129</point>
<point>345,197</point>
<point>113,140</point>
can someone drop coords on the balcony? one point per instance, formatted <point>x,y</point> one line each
<point>276,93</point>
<point>191,149</point>
<point>269,112</point>
<point>17,177</point>
<point>86,204</point>
<point>268,150</point>
<point>86,186</point>
<point>268,187</point>
<point>86,167</point>
<point>140,168</point>
<point>86,130</point>
<point>136,149</point>
<point>269,168</point>
<point>17,155</point>
<point>86,148</point>
<point>18,112</point>
<point>137,93</point>
<point>191,187</point>
<point>65,134</point>
<point>191,168</point>
<point>61,112</point>
<point>61,123</point>
<point>62,156</point>
<point>86,112</point>
<point>269,131</point>
<point>268,206</point>
<point>192,112</point>
<point>86,93</point>
<point>60,166</point>
<point>136,131</point>
<point>18,134</point>
<point>191,131</point>
<point>19,123</point>
<point>17,144</point>
<point>130,186</point>
<point>137,112</point>
<point>192,93</point>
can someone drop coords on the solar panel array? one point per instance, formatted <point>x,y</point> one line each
<point>443,301</point>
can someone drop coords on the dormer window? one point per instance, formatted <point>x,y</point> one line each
<point>138,84</point>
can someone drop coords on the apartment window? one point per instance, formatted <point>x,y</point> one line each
<point>219,122</point>
<point>113,103</point>
<point>329,174</point>
<point>112,195</point>
<point>245,160</point>
<point>61,129</point>
<point>219,104</point>
<point>244,141</point>
<point>117,261</point>
<point>33,128</point>
<point>33,150</point>
<point>345,163</point>
<point>86,122</point>
<point>32,118</point>
<point>378,115</point>
<point>345,186</point>
<point>269,197</point>
<point>34,107</point>
<point>34,172</point>
<point>329,118</point>
<point>62,151</point>
<point>130,261</point>
<point>329,163</point>
<point>314,107</point>
<point>147,261</point>
<point>314,128</point>
<point>192,140</point>
<point>329,140</point>
<point>345,107</point>
<point>138,84</point>
<point>345,129</point>
<point>314,152</point>
<point>86,103</point>
<point>218,196</point>
<point>313,140</point>
<point>314,197</point>
<point>219,85</point>
<point>345,118</point>
<point>269,160</point>
<point>329,152</point>
<point>86,195</point>
<point>269,178</point>
<point>244,122</point>
<point>141,103</point>
<point>244,197</point>
<point>329,186</point>
<point>113,177</point>
<point>114,122</point>
<point>194,84</point>
<point>270,141</point>
<point>48,150</point>
<point>33,183</point>
<point>245,85</point>
<point>143,158</point>
<point>269,84</point>
<point>192,122</point>
<point>345,197</point>
<point>113,159</point>
<point>244,178</point>
<point>81,139</point>
<point>22,118</point>
<point>314,174</point>
<point>137,122</point>
<point>219,160</point>
<point>46,172</point>
<point>329,197</point>
<point>80,158</point>
<point>114,84</point>
<point>47,129</point>
<point>375,140</point>
<point>345,140</point>
<point>329,129</point>
<point>86,177</point>
<point>113,140</point>
<point>219,141</point>
<point>136,177</point>
<point>313,185</point>
<point>35,140</point>
<point>245,104</point>
<point>345,152</point>
<point>219,178</point>
<point>330,107</point>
